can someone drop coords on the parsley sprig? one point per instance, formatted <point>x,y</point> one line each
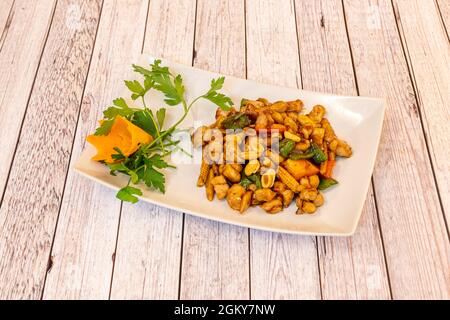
<point>146,164</point>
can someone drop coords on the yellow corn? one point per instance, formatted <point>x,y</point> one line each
<point>288,179</point>
<point>204,169</point>
<point>291,136</point>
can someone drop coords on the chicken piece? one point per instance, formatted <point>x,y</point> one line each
<point>263,195</point>
<point>279,187</point>
<point>231,173</point>
<point>308,194</point>
<point>343,149</point>
<point>329,132</point>
<point>288,196</point>
<point>279,106</point>
<point>262,121</point>
<point>308,207</point>
<point>300,168</point>
<point>295,106</point>
<point>224,113</point>
<point>277,117</point>
<point>291,124</point>
<point>318,135</point>
<point>303,145</point>
<point>246,201</point>
<point>319,200</point>
<point>234,196</point>
<point>314,181</point>
<point>317,113</point>
<point>273,206</point>
<point>220,186</point>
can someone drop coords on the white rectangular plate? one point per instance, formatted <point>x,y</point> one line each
<point>357,120</point>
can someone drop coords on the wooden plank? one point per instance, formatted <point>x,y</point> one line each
<point>282,266</point>
<point>354,267</point>
<point>413,228</point>
<point>444,9</point>
<point>149,245</point>
<point>30,207</point>
<point>27,28</point>
<point>428,55</point>
<point>5,19</point>
<point>215,262</point>
<point>84,246</point>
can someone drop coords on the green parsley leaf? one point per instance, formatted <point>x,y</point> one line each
<point>142,70</point>
<point>157,69</point>
<point>222,101</point>
<point>137,88</point>
<point>173,90</point>
<point>120,107</point>
<point>217,84</point>
<point>143,120</point>
<point>154,179</point>
<point>104,128</point>
<point>121,167</point>
<point>119,155</point>
<point>157,161</point>
<point>134,86</point>
<point>128,194</point>
<point>161,116</point>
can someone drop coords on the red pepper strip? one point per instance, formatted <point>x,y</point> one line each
<point>329,170</point>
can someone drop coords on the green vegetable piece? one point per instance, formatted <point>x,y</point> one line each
<point>236,121</point>
<point>143,119</point>
<point>222,101</point>
<point>256,179</point>
<point>286,146</point>
<point>295,155</point>
<point>245,181</point>
<point>325,183</point>
<point>319,155</point>
<point>243,102</point>
<point>161,116</point>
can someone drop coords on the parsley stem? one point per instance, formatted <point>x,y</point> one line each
<point>165,133</point>
<point>153,120</point>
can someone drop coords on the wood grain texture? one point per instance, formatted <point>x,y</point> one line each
<point>5,19</point>
<point>150,270</point>
<point>31,203</point>
<point>282,266</point>
<point>215,255</point>
<point>84,246</point>
<point>444,9</point>
<point>353,267</point>
<point>416,240</point>
<point>27,28</point>
<point>429,61</point>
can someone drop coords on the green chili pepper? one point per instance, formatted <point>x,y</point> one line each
<point>243,102</point>
<point>245,181</point>
<point>236,121</point>
<point>256,178</point>
<point>286,146</point>
<point>325,183</point>
<point>319,155</point>
<point>295,155</point>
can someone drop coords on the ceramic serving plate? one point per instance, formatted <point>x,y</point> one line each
<point>357,120</point>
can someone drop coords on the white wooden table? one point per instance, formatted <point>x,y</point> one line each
<point>62,236</point>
